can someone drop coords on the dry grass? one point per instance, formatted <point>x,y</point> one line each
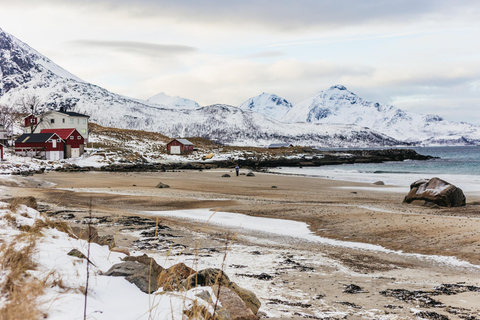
<point>14,203</point>
<point>20,290</point>
<point>19,287</point>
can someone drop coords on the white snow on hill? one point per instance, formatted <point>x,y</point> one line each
<point>270,105</point>
<point>173,102</point>
<point>339,105</point>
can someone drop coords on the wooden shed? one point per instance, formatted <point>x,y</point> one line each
<point>1,151</point>
<point>47,146</point>
<point>179,146</point>
<point>74,141</point>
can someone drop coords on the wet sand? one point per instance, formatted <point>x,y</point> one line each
<point>334,209</point>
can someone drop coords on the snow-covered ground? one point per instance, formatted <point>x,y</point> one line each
<point>108,297</point>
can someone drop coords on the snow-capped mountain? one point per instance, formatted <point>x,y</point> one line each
<point>23,71</point>
<point>270,105</point>
<point>173,102</point>
<point>339,105</point>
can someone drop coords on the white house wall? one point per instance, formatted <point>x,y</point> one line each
<point>63,121</point>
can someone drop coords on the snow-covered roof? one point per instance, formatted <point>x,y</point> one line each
<point>185,142</point>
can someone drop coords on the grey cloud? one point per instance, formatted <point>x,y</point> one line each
<point>144,48</point>
<point>288,15</point>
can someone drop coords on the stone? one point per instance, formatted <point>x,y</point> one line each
<point>379,183</point>
<point>146,260</point>
<point>82,233</point>
<point>198,311</point>
<point>435,191</point>
<point>162,185</point>
<point>125,251</point>
<point>142,275</point>
<point>206,277</point>
<point>76,253</point>
<point>171,278</point>
<point>250,174</point>
<point>226,175</point>
<point>233,303</point>
<point>247,296</point>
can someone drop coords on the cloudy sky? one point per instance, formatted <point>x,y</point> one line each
<point>419,55</point>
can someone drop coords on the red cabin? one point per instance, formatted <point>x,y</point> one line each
<point>1,151</point>
<point>47,146</point>
<point>30,120</point>
<point>74,141</point>
<point>179,146</point>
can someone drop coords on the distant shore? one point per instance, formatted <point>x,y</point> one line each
<point>310,159</point>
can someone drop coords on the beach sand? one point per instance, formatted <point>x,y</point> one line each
<point>308,278</point>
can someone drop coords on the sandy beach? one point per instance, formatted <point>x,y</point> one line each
<point>381,244</point>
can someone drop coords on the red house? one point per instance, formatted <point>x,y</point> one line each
<point>74,141</point>
<point>47,146</point>
<point>179,146</point>
<point>1,151</point>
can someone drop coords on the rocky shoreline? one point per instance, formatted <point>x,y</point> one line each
<point>312,159</point>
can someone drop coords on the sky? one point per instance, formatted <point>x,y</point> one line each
<point>419,55</point>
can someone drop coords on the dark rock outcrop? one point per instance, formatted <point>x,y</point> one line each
<point>141,271</point>
<point>435,191</point>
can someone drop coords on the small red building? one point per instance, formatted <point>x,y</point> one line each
<point>1,151</point>
<point>179,146</point>
<point>74,141</point>
<point>30,120</point>
<point>47,146</point>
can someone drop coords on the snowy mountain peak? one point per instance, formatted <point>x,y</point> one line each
<point>268,104</point>
<point>338,105</point>
<point>173,102</point>
<point>338,86</point>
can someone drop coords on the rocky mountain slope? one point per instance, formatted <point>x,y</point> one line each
<point>270,105</point>
<point>339,105</point>
<point>26,72</point>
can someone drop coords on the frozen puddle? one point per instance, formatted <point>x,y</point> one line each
<point>288,228</point>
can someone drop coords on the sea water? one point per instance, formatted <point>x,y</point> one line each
<point>457,165</point>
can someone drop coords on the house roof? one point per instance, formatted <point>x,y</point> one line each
<point>185,142</point>
<point>72,114</point>
<point>279,145</point>
<point>35,137</point>
<point>62,133</point>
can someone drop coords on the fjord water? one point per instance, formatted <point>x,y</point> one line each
<point>457,165</point>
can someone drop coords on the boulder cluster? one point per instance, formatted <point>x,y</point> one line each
<point>229,300</point>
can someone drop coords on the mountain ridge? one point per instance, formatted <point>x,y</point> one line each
<point>24,71</point>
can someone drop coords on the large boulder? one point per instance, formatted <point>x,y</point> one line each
<point>171,278</point>
<point>435,191</point>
